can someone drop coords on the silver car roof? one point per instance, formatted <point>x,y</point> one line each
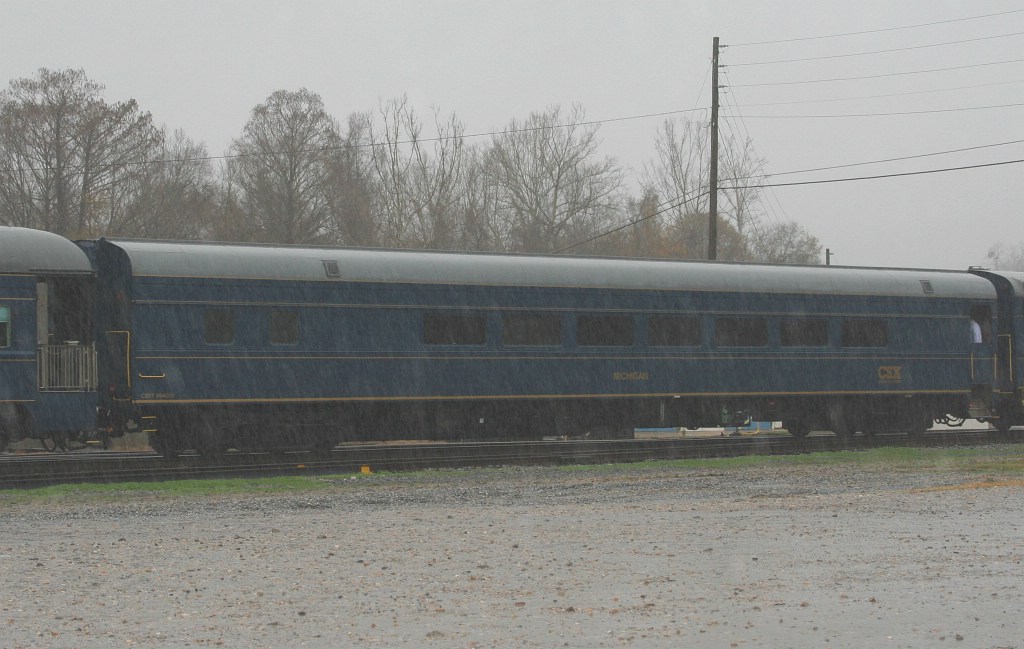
<point>270,262</point>
<point>27,251</point>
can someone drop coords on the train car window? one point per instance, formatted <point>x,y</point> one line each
<point>531,329</point>
<point>865,333</point>
<point>604,330</point>
<point>5,326</point>
<point>284,327</point>
<point>741,332</point>
<point>803,332</point>
<point>671,331</point>
<point>452,329</point>
<point>219,326</point>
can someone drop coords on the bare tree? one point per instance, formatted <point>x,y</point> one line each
<point>679,174</point>
<point>280,167</point>
<point>228,221</point>
<point>391,169</point>
<point>644,236</point>
<point>679,171</point>
<point>419,179</point>
<point>65,152</point>
<point>350,187</point>
<point>437,185</point>
<point>786,243</point>
<point>553,187</point>
<point>1007,257</point>
<point>741,172</point>
<point>171,197</point>
<point>482,225</point>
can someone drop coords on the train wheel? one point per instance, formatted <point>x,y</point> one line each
<point>73,441</point>
<point>164,445</point>
<point>210,441</point>
<point>10,427</point>
<point>917,427</point>
<point>840,422</point>
<point>324,443</point>
<point>797,427</point>
<point>50,443</point>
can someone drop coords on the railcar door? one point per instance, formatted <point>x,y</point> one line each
<point>67,355</point>
<point>118,360</point>
<point>1004,399</point>
<point>1003,380</point>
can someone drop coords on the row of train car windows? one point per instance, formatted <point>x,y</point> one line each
<point>545,330</point>
<point>662,331</point>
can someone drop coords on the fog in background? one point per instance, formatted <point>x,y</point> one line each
<point>821,90</point>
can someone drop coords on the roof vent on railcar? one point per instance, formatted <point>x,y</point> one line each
<point>331,268</point>
<point>927,287</point>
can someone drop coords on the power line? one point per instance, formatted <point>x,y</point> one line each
<point>881,176</point>
<point>887,51</point>
<point>772,199</point>
<point>890,114</point>
<point>882,96</point>
<point>878,31</point>
<point>676,202</point>
<point>877,76</point>
<point>760,163</point>
<point>700,93</point>
<point>749,220</point>
<point>885,160</point>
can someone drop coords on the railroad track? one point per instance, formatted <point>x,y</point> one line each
<point>34,470</point>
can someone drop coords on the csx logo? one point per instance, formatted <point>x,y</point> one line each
<point>889,373</point>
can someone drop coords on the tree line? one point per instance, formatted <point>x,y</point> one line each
<point>75,164</point>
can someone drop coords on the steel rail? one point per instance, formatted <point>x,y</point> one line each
<point>34,470</point>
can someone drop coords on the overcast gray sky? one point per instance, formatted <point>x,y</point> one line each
<point>201,66</point>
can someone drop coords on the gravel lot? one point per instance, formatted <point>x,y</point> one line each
<point>606,557</point>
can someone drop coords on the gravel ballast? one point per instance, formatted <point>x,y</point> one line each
<point>768,556</point>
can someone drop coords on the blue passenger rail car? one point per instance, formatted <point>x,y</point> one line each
<point>215,346</point>
<point>47,357</point>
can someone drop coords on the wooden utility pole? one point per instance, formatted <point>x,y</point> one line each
<point>713,181</point>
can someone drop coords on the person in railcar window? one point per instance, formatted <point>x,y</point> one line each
<point>981,323</point>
